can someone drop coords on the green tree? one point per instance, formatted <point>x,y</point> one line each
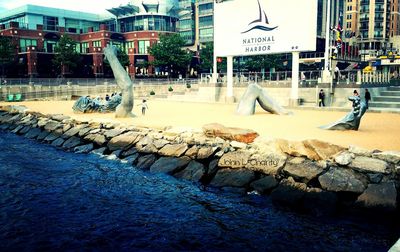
<point>260,63</point>
<point>7,53</point>
<point>169,55</point>
<point>65,58</point>
<point>206,57</point>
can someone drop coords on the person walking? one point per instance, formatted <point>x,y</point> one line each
<point>321,98</point>
<point>367,97</point>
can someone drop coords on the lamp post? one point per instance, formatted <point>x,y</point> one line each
<point>326,72</point>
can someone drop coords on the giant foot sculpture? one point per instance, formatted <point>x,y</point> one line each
<point>254,92</point>
<point>352,120</point>
<point>123,81</point>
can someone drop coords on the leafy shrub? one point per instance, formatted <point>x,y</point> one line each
<point>188,85</point>
<point>152,92</point>
<point>170,89</point>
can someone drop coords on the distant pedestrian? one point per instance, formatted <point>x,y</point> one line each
<point>107,97</point>
<point>144,107</point>
<point>367,97</point>
<point>321,98</point>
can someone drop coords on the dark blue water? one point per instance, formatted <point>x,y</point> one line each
<point>52,200</point>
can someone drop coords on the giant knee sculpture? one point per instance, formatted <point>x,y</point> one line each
<point>254,92</point>
<point>123,81</point>
<point>352,120</point>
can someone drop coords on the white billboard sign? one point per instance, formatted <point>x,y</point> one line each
<point>253,27</point>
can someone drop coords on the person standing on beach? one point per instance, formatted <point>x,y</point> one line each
<point>367,97</point>
<point>321,97</point>
<point>144,107</point>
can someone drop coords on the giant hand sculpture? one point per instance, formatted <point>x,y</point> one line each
<point>352,120</point>
<point>123,81</point>
<point>254,92</point>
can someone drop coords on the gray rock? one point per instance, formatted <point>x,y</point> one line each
<point>72,142</point>
<point>360,151</point>
<point>131,151</point>
<point>341,180</point>
<point>84,148</point>
<point>98,139</point>
<point>33,133</point>
<point>123,142</point>
<point>375,178</point>
<point>113,133</point>
<point>58,142</point>
<point>366,164</point>
<point>265,184</point>
<point>84,131</point>
<point>289,193</point>
<point>388,156</point>
<point>238,145</point>
<point>17,129</point>
<point>205,152</point>
<point>95,131</point>
<point>144,141</point>
<point>344,158</point>
<point>59,117</point>
<point>233,178</point>
<point>24,130</point>
<point>117,153</point>
<point>150,148</point>
<point>269,164</point>
<point>159,143</point>
<point>169,165</point>
<point>194,171</point>
<point>53,125</point>
<point>173,150</point>
<point>66,127</point>
<point>131,159</point>
<point>213,167</point>
<point>145,162</point>
<point>52,136</point>
<point>71,132</point>
<point>304,172</point>
<point>43,135</point>
<point>192,152</point>
<point>383,196</point>
<point>99,151</point>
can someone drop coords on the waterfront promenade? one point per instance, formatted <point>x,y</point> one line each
<point>377,131</point>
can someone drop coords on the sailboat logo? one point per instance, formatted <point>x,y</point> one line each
<point>261,23</point>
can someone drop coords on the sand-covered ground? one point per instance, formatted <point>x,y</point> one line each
<point>377,131</point>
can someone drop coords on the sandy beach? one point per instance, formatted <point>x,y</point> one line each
<point>377,131</point>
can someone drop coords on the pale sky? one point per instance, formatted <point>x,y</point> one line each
<point>94,6</point>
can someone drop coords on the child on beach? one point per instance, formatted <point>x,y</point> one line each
<point>144,107</point>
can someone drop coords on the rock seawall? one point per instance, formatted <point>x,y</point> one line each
<point>310,175</point>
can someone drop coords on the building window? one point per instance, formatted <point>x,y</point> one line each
<point>85,47</point>
<point>205,21</point>
<point>348,25</point>
<point>50,23</point>
<point>129,45</point>
<point>96,43</point>
<point>24,43</point>
<point>143,46</point>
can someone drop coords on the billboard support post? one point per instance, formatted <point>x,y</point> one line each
<point>326,76</point>
<point>294,93</point>
<point>229,78</point>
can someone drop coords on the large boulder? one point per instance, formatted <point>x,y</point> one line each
<point>52,125</point>
<point>58,142</point>
<point>342,180</point>
<point>173,150</point>
<point>113,133</point>
<point>84,148</point>
<point>360,151</point>
<point>72,142</point>
<point>205,152</point>
<point>72,132</point>
<point>169,165</point>
<point>388,156</point>
<point>192,152</point>
<point>320,202</point>
<point>269,164</point>
<point>145,162</point>
<point>304,171</point>
<point>123,142</point>
<point>229,133</point>
<point>324,150</point>
<point>296,149</point>
<point>367,164</point>
<point>344,158</point>
<point>264,184</point>
<point>379,196</point>
<point>33,133</point>
<point>233,178</point>
<point>194,171</point>
<point>289,193</point>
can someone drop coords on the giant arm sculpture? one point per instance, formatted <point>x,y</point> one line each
<point>254,92</point>
<point>352,120</point>
<point>123,81</point>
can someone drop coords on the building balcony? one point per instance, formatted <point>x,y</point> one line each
<point>205,1</point>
